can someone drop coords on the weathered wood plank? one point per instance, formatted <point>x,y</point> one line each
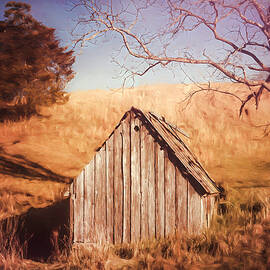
<point>89,203</point>
<point>160,189</point>
<point>135,179</point>
<point>100,196</point>
<point>169,196</point>
<point>79,209</point>
<point>151,185</point>
<point>207,210</point>
<point>181,202</point>
<point>144,184</point>
<point>203,213</point>
<point>109,189</point>
<point>194,210</point>
<point>118,186</point>
<point>126,178</point>
<point>71,213</point>
<point>212,208</point>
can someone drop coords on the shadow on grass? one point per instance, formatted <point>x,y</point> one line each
<point>20,166</point>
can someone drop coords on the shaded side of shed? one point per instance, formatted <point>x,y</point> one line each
<point>136,188</point>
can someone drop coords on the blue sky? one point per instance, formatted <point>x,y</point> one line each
<point>94,68</point>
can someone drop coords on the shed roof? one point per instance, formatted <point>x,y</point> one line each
<point>171,137</point>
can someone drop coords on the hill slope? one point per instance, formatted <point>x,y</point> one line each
<point>38,156</point>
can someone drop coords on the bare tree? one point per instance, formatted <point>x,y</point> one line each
<point>152,31</point>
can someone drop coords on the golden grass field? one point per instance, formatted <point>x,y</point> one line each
<point>40,154</point>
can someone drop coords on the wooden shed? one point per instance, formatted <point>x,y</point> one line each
<point>142,183</point>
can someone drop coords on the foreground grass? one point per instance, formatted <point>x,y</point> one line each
<point>238,238</point>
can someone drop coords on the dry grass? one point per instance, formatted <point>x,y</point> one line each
<point>39,155</point>
<point>237,239</point>
<point>11,250</point>
<point>64,140</point>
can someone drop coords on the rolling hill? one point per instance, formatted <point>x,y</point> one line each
<point>39,156</point>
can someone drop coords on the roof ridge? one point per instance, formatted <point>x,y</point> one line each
<point>173,127</point>
<point>208,183</point>
<point>182,153</point>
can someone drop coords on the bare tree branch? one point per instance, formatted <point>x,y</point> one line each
<point>245,43</point>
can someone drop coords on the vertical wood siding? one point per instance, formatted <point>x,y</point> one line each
<point>135,179</point>
<point>144,185</point>
<point>100,196</point>
<point>71,212</point>
<point>126,178</point>
<point>89,202</point>
<point>208,209</point>
<point>109,189</point>
<point>194,210</point>
<point>118,186</point>
<point>169,196</point>
<point>147,185</point>
<point>151,185</point>
<point>181,202</point>
<point>79,208</point>
<point>160,200</point>
<point>133,190</point>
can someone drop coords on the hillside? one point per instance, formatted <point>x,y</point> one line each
<point>40,155</point>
